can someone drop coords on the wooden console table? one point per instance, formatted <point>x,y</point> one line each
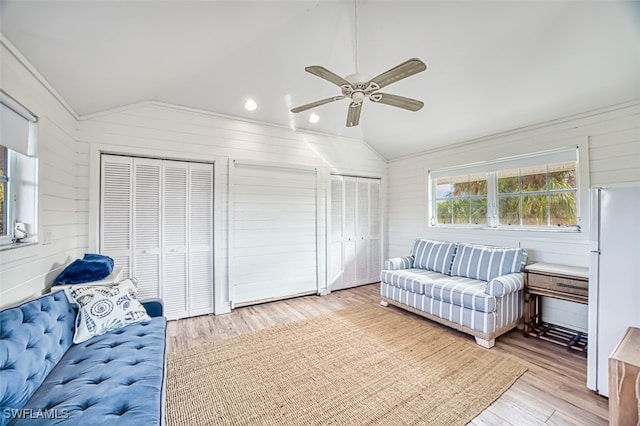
<point>560,282</point>
<point>624,376</point>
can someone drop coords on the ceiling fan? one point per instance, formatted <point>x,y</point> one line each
<point>358,86</point>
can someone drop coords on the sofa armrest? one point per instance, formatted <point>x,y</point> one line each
<point>396,263</point>
<point>154,307</point>
<point>505,284</point>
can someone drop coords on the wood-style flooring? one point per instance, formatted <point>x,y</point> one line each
<point>551,392</point>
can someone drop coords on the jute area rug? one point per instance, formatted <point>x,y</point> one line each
<point>366,365</point>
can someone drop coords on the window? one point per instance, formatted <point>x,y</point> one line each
<point>543,195</point>
<point>18,171</point>
<point>462,199</point>
<point>4,177</point>
<point>535,191</point>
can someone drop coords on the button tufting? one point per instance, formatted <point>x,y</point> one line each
<point>86,405</point>
<point>78,361</point>
<point>121,410</point>
<point>61,318</point>
<point>8,366</point>
<point>98,380</point>
<point>139,347</point>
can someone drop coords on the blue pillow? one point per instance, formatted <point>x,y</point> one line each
<point>92,267</point>
<point>433,255</point>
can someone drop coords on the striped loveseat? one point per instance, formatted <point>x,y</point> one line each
<point>472,288</point>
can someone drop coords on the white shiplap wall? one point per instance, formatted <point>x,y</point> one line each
<point>166,131</point>
<point>27,271</point>
<point>611,138</point>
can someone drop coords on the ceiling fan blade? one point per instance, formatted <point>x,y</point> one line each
<point>353,114</point>
<point>316,104</point>
<point>397,101</point>
<point>322,72</point>
<point>397,73</point>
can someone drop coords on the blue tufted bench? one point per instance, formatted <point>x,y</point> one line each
<point>115,378</point>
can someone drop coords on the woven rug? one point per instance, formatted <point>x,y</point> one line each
<point>366,365</point>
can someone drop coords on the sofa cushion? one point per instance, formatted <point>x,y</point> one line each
<point>433,255</point>
<point>461,291</point>
<point>103,309</point>
<point>486,263</point>
<point>412,280</point>
<point>115,378</point>
<point>33,338</point>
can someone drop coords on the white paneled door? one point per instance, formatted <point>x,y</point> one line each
<point>273,232</point>
<point>355,231</point>
<point>156,223</point>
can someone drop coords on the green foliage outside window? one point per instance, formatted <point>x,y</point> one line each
<point>462,200</point>
<point>542,195</point>
<point>538,196</point>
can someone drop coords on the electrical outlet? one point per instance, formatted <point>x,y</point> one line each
<point>46,238</point>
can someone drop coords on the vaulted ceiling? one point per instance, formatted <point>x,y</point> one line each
<point>491,66</point>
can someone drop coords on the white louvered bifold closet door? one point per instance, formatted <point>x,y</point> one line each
<point>355,203</point>
<point>335,222</point>
<point>157,223</point>
<point>174,238</point>
<point>273,232</point>
<point>116,215</point>
<point>201,239</point>
<point>146,226</point>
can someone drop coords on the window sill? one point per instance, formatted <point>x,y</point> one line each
<point>575,230</point>
<point>12,246</point>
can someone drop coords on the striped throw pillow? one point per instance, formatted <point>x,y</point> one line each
<point>434,256</point>
<point>486,263</point>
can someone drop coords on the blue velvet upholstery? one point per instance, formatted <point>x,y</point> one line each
<point>154,307</point>
<point>115,378</point>
<point>92,267</point>
<point>33,338</point>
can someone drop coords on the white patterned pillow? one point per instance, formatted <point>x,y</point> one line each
<point>104,309</point>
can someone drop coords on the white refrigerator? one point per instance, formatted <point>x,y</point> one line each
<point>614,276</point>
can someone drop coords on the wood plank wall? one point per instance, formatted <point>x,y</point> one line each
<point>160,130</point>
<point>26,271</point>
<point>612,136</point>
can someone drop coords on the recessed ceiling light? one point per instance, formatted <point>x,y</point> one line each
<point>250,105</point>
<point>314,118</point>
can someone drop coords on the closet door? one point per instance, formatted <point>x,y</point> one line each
<point>375,226</point>
<point>273,238</point>
<point>336,253</point>
<point>156,222</point>
<point>116,214</point>
<point>200,239</point>
<point>355,253</point>
<point>175,238</point>
<point>362,232</point>
<point>349,245</point>
<point>146,226</point>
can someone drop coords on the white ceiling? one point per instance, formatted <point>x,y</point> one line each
<point>491,66</point>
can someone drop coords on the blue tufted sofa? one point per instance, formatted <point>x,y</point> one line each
<point>115,378</point>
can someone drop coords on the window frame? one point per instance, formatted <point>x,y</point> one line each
<point>10,196</point>
<point>491,169</point>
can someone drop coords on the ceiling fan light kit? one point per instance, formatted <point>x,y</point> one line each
<point>359,86</point>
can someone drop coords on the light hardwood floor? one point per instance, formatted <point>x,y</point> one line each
<point>551,392</point>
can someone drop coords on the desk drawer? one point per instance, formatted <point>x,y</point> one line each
<point>564,285</point>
